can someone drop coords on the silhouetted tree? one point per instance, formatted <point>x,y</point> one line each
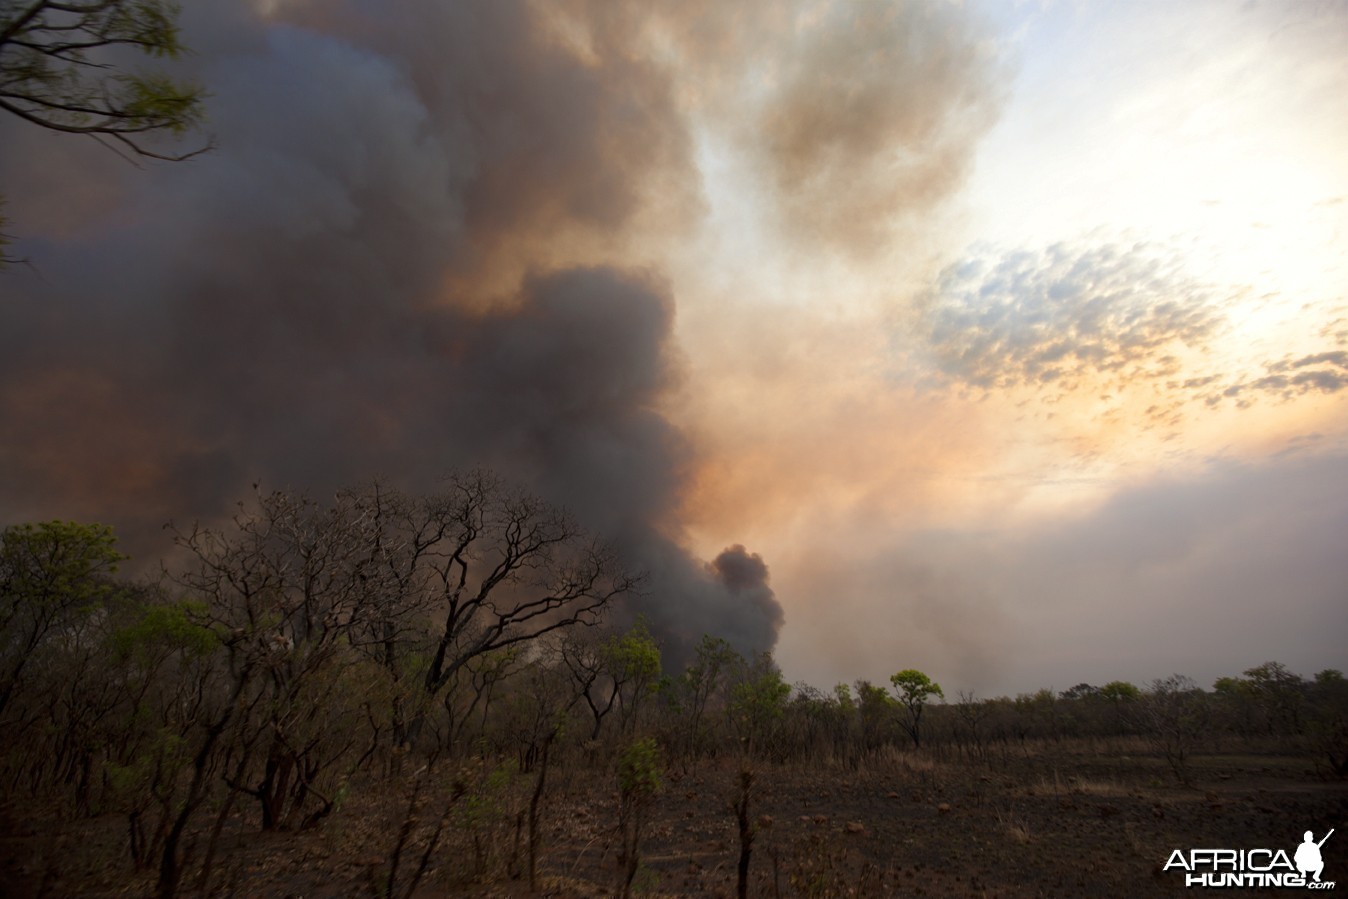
<point>51,574</point>
<point>1173,718</point>
<point>914,690</point>
<point>508,568</point>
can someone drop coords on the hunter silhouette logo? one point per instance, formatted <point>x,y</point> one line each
<point>1308,855</point>
<point>1254,867</point>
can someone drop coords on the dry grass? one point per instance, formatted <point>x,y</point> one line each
<point>1073,824</point>
<point>891,759</point>
<point>1014,826</point>
<point>1095,787</point>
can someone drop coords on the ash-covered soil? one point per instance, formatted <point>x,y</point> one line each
<point>1078,819</point>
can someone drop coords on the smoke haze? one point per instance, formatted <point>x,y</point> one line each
<point>972,338</point>
<point>319,301</point>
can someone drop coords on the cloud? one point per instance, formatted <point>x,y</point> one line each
<point>872,117</point>
<point>1288,378</point>
<point>1050,318</point>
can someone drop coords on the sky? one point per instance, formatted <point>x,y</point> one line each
<point>1006,341</point>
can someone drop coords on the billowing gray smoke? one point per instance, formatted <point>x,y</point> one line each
<point>321,299</point>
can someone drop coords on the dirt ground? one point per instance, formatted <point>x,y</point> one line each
<point>1079,819</point>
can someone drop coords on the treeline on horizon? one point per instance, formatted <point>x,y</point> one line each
<point>304,650</point>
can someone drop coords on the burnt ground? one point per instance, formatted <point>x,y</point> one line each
<point>1076,819</point>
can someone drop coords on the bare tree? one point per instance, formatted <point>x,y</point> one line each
<point>422,586</point>
<point>510,569</point>
<point>1173,716</point>
<point>293,586</point>
<point>973,713</point>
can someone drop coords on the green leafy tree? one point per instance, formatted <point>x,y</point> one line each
<point>638,782</point>
<point>1120,691</point>
<point>758,702</point>
<point>60,69</point>
<point>1121,697</point>
<point>875,708</point>
<point>914,690</point>
<point>842,694</point>
<point>633,663</point>
<point>51,574</point>
<point>1080,693</point>
<point>713,661</point>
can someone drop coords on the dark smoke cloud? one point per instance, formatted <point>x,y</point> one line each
<point>306,305</point>
<point>852,120</point>
<point>745,575</point>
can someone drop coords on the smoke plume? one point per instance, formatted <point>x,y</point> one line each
<point>397,262</point>
<point>441,236</point>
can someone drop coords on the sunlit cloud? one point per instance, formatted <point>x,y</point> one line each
<point>1289,378</point>
<point>1063,314</point>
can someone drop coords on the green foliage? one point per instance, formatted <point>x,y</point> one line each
<point>165,628</point>
<point>638,782</point>
<point>632,660</point>
<point>1280,693</point>
<point>57,562</point>
<point>872,698</point>
<point>703,684</point>
<point>485,804</point>
<point>914,691</point>
<point>633,656</point>
<point>914,688</point>
<point>55,69</point>
<point>58,70</point>
<point>1118,691</point>
<point>639,770</point>
<point>758,701</point>
<point>52,576</point>
<point>713,658</point>
<point>1081,692</point>
<point>646,880</point>
<point>876,709</point>
<point>1272,677</point>
<point>1269,697</point>
<point>164,754</point>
